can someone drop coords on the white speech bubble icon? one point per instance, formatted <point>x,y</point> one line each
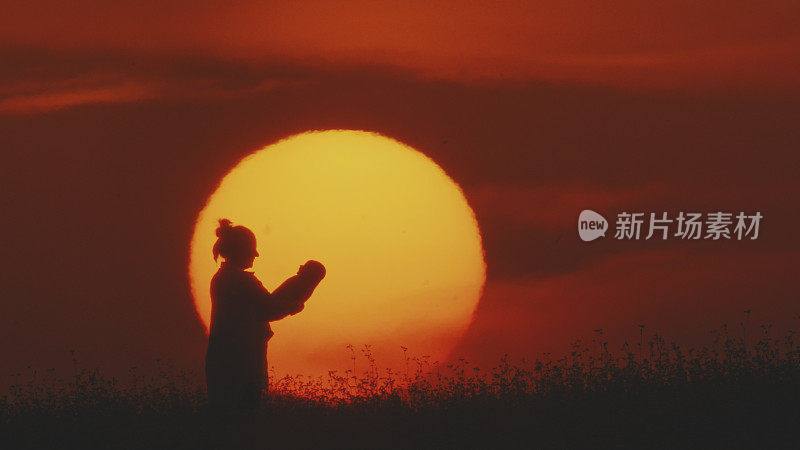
<point>591,225</point>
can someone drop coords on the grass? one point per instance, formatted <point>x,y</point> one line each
<point>653,394</point>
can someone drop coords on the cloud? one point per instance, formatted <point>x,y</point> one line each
<point>38,82</point>
<point>530,232</point>
<point>64,98</point>
<point>658,45</point>
<point>552,206</point>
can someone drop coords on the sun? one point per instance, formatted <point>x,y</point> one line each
<point>401,245</point>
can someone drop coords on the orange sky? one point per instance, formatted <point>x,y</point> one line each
<point>117,120</point>
<point>669,44</point>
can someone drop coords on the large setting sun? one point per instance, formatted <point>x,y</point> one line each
<point>402,247</point>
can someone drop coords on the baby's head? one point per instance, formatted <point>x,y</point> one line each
<point>313,270</point>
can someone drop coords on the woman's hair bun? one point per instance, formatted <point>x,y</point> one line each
<point>225,225</point>
<point>232,240</point>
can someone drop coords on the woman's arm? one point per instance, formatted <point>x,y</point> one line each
<point>295,290</point>
<point>268,307</point>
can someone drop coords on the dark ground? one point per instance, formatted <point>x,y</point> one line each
<point>724,396</point>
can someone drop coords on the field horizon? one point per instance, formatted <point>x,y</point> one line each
<point>652,393</point>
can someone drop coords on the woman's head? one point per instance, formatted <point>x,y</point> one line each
<point>236,244</point>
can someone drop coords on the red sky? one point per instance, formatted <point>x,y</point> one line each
<point>118,118</point>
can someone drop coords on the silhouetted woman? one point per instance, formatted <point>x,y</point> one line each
<point>241,309</point>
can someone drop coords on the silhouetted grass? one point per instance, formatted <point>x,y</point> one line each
<point>653,394</point>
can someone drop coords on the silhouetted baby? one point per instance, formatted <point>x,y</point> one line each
<point>297,289</point>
